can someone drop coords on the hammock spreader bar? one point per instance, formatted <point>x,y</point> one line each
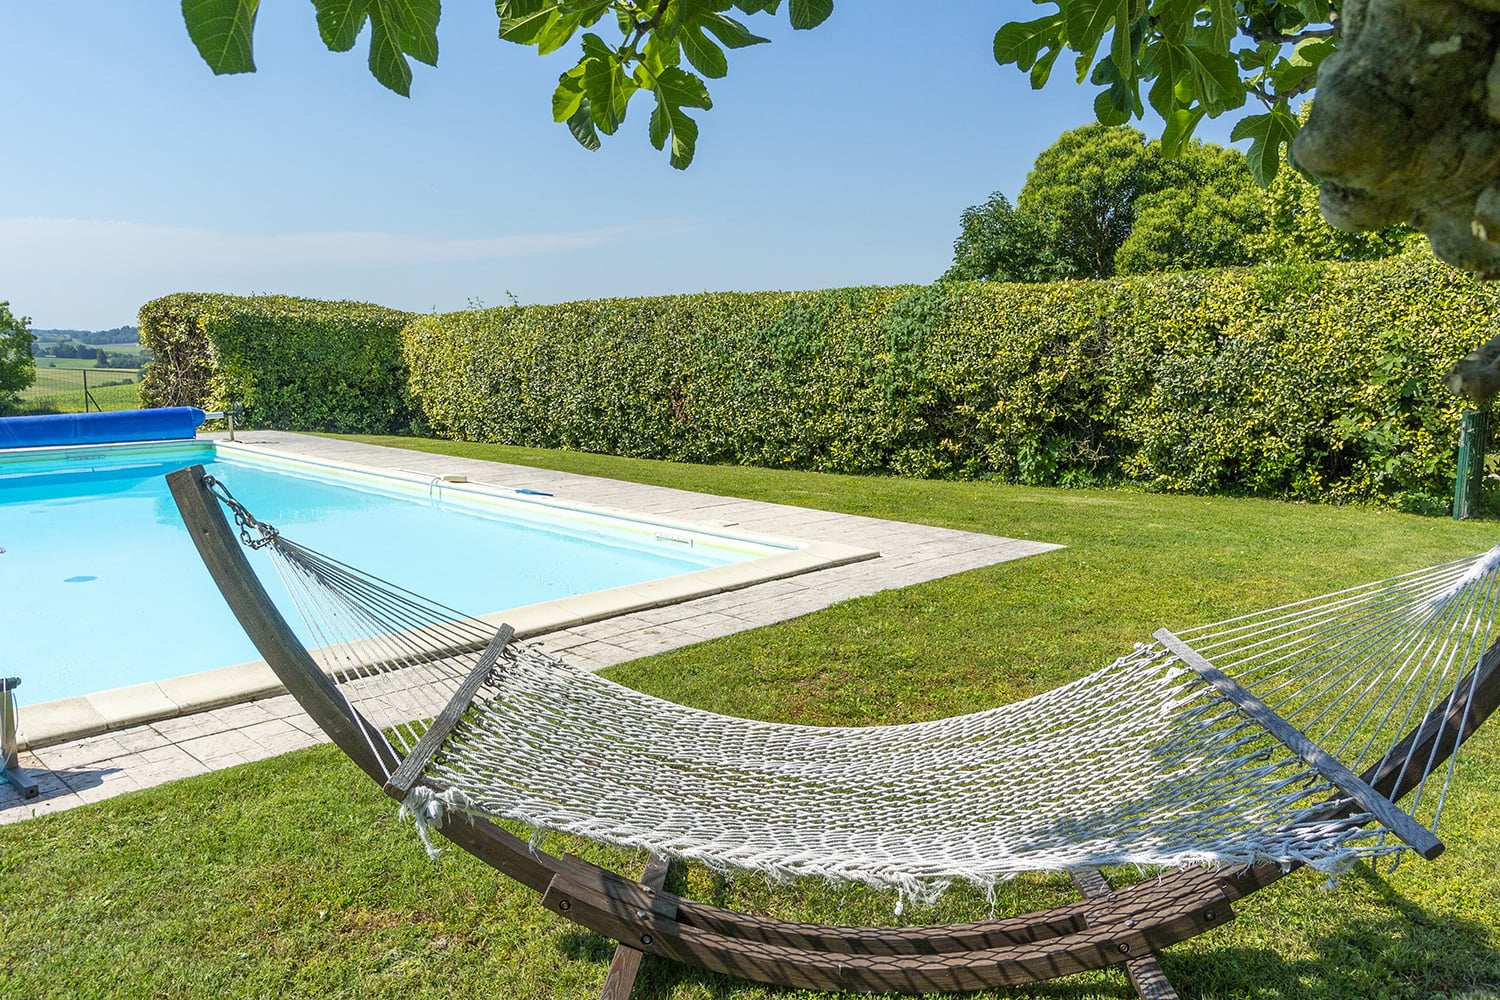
<point>410,771</point>
<point>1416,836</point>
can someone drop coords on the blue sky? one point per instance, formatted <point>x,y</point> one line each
<point>840,156</point>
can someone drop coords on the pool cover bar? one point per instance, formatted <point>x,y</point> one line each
<point>170,423</point>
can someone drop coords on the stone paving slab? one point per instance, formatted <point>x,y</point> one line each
<point>100,766</point>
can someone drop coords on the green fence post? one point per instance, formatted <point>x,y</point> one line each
<point>1473,442</point>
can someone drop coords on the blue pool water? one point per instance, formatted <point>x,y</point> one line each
<point>100,586</point>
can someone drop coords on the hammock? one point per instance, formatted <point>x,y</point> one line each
<point>1233,744</point>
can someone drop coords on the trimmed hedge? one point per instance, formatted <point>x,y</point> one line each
<point>1317,382</point>
<point>294,364</point>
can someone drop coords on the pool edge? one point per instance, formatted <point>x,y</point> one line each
<point>52,722</point>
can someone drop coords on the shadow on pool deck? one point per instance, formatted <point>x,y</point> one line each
<point>51,784</point>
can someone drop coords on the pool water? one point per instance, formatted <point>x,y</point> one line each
<point>101,587</point>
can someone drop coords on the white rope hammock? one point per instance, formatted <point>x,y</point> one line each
<point>1142,762</point>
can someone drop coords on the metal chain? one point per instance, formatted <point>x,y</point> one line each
<point>242,517</point>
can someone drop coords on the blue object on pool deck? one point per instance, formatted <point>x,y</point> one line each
<point>168,423</point>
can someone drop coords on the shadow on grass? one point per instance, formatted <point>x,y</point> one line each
<point>1405,953</point>
<point>585,946</point>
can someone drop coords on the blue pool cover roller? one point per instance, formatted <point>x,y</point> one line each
<point>169,423</point>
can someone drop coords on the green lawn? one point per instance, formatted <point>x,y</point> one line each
<point>293,877</point>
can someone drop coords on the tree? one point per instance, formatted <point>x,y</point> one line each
<point>1202,212</point>
<point>1083,189</point>
<point>997,242</point>
<point>1225,219</point>
<point>1080,205</point>
<point>1102,200</point>
<point>17,369</point>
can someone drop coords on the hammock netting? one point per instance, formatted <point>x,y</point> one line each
<point>1142,762</point>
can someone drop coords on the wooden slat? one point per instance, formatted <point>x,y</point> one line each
<point>1416,836</point>
<point>1145,972</point>
<point>1091,882</point>
<point>1023,929</point>
<point>858,940</point>
<point>1150,980</point>
<point>1132,903</point>
<point>1110,943</point>
<point>861,940</point>
<point>620,979</point>
<point>416,762</point>
<point>278,645</point>
<point>636,895</point>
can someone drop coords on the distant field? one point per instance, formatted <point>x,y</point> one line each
<point>48,364</point>
<point>60,389</point>
<point>134,352</point>
<point>124,353</point>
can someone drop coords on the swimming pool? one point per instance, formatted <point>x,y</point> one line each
<point>100,586</point>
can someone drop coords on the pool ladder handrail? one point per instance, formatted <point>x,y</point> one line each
<point>10,761</point>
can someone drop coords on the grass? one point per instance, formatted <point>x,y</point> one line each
<point>59,389</point>
<point>294,877</point>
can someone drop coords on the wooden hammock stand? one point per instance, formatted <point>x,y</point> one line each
<point>1106,927</point>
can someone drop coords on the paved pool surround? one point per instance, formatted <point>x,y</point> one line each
<point>113,742</point>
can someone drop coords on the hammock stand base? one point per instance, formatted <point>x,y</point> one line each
<point>1124,927</point>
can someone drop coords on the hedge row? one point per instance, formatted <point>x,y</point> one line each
<point>297,364</point>
<point>1319,382</point>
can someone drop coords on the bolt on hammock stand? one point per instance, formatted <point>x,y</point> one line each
<point>1105,928</point>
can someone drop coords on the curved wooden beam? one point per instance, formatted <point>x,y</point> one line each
<point>268,630</point>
